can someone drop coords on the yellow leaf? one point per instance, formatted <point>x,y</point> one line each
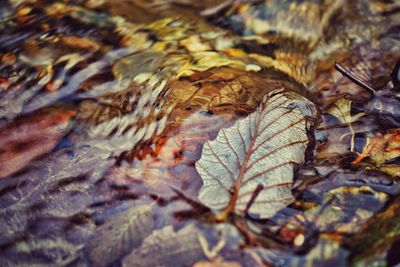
<point>234,52</point>
<point>342,111</point>
<point>194,44</point>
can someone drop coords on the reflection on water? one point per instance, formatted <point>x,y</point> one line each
<point>105,107</point>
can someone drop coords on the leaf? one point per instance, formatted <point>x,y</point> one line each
<point>120,234</point>
<point>385,148</point>
<point>133,65</point>
<point>169,247</point>
<point>31,137</point>
<point>363,61</point>
<point>194,44</point>
<point>82,43</point>
<point>257,154</point>
<point>344,210</point>
<point>165,247</point>
<point>45,211</point>
<point>342,111</point>
<point>382,149</point>
<point>205,60</point>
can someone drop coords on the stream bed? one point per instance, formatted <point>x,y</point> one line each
<point>199,133</point>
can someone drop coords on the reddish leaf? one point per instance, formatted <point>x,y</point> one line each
<point>29,138</point>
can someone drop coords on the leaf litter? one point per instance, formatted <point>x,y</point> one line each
<point>112,121</point>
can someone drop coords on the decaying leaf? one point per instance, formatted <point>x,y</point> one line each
<point>212,254</point>
<point>81,43</point>
<point>120,234</point>
<point>342,111</point>
<point>171,247</point>
<point>44,214</point>
<point>31,137</point>
<point>382,149</point>
<point>364,61</point>
<point>248,168</point>
<point>345,209</point>
<point>166,247</point>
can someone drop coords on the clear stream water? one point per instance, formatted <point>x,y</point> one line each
<point>105,107</point>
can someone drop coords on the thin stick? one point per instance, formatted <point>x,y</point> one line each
<point>353,78</point>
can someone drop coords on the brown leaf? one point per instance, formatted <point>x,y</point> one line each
<point>31,137</point>
<point>381,149</point>
<point>386,147</point>
<point>81,43</point>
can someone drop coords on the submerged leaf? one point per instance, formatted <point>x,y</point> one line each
<point>342,111</point>
<point>344,210</point>
<point>29,138</point>
<point>49,205</point>
<point>249,167</point>
<point>183,247</point>
<point>120,234</point>
<point>165,247</point>
<point>383,150</point>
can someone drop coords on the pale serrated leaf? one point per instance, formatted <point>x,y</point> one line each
<point>249,167</point>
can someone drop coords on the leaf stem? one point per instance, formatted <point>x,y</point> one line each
<point>353,134</point>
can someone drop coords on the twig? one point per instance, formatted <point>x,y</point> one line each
<point>353,78</point>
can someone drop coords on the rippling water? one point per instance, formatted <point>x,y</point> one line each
<point>105,107</point>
